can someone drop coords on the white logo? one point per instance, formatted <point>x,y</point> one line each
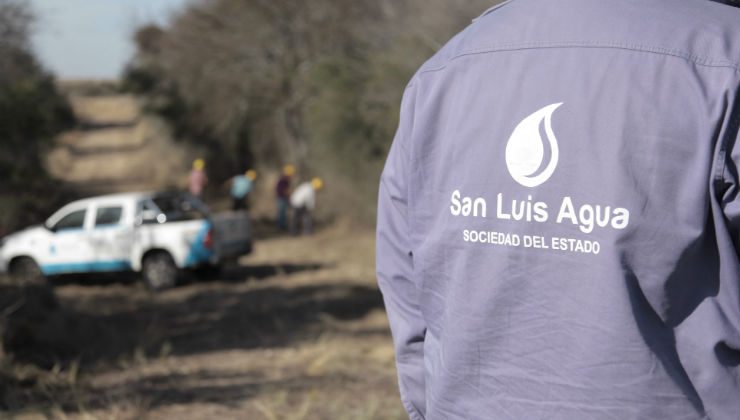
<point>525,151</point>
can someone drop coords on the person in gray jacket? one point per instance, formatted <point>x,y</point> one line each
<point>559,216</point>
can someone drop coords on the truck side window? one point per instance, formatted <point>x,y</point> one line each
<point>74,220</point>
<point>147,213</point>
<point>178,207</point>
<point>108,216</point>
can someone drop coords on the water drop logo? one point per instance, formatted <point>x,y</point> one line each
<point>531,160</point>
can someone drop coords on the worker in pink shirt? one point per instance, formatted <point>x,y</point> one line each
<point>198,179</point>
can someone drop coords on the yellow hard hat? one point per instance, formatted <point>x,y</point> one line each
<point>288,170</point>
<point>199,164</point>
<point>251,174</point>
<point>317,183</point>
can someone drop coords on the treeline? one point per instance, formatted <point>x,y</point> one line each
<point>32,112</point>
<point>260,83</point>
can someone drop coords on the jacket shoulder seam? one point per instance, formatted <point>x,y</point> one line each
<point>506,47</point>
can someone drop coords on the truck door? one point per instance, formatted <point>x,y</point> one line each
<point>112,237</point>
<point>69,249</point>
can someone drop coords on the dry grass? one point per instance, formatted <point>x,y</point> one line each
<point>297,332</point>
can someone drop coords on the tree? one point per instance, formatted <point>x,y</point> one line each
<point>262,82</point>
<point>31,114</point>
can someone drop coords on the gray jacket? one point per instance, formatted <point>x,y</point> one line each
<point>559,216</point>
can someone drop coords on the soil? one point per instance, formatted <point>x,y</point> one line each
<point>296,330</point>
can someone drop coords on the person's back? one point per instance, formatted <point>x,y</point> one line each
<point>558,217</point>
<point>197,181</point>
<point>303,196</point>
<point>240,186</point>
<point>282,189</point>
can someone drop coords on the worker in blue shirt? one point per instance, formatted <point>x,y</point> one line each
<point>241,186</point>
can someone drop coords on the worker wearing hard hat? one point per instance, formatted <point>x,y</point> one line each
<point>282,195</point>
<point>198,179</point>
<point>303,202</point>
<point>241,186</point>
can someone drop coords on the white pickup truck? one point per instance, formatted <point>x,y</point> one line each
<point>155,234</point>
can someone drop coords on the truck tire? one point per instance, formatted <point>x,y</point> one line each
<point>24,272</point>
<point>159,271</point>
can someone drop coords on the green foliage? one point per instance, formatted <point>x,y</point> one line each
<point>139,80</point>
<point>32,112</point>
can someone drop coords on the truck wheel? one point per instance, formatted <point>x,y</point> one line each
<point>24,271</point>
<point>159,271</point>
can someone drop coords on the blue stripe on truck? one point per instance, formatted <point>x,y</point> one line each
<point>198,253</point>
<point>86,267</point>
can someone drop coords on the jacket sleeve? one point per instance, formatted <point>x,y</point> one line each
<point>729,294</point>
<point>728,298</point>
<point>708,341</point>
<point>394,265</point>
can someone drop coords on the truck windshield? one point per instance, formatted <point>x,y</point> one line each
<point>174,207</point>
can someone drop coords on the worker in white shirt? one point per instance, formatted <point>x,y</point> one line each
<point>303,202</point>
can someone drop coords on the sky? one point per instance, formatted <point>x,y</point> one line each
<point>92,39</point>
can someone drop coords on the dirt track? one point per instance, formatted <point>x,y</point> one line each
<point>116,147</point>
<point>296,331</point>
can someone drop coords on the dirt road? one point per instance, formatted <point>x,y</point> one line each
<point>117,147</point>
<point>296,331</point>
